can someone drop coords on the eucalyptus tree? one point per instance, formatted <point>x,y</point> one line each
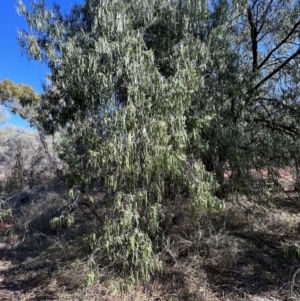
<point>124,75</point>
<point>19,98</point>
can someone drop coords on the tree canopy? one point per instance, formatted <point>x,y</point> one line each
<point>154,97</point>
<point>19,99</point>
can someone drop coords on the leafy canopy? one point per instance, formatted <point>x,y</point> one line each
<point>124,108</point>
<point>146,92</point>
<point>19,98</point>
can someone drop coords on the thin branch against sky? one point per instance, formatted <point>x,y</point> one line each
<point>13,65</point>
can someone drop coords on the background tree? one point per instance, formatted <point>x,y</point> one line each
<point>252,85</point>
<point>22,100</point>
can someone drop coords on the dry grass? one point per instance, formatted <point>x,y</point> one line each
<point>249,252</point>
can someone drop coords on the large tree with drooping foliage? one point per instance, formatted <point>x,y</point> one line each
<point>124,110</point>
<point>154,97</point>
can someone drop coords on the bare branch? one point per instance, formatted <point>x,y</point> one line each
<point>276,70</point>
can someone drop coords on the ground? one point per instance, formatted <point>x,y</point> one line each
<point>251,251</point>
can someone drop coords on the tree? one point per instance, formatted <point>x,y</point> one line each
<point>20,150</point>
<point>124,108</point>
<point>149,91</point>
<point>18,98</point>
<point>21,99</point>
<point>252,84</point>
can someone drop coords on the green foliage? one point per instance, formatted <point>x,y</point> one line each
<point>59,222</point>
<point>124,111</point>
<point>19,98</point>
<point>90,278</point>
<point>5,213</point>
<point>252,84</point>
<point>152,98</point>
<point>291,250</point>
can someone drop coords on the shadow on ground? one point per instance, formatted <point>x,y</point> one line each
<point>257,264</point>
<point>288,201</point>
<point>238,260</point>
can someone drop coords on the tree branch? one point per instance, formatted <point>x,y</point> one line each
<point>264,17</point>
<point>275,70</point>
<point>253,30</point>
<point>279,45</point>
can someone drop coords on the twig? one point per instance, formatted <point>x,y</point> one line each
<point>86,203</point>
<point>293,281</point>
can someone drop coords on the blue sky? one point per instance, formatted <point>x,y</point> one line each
<point>13,65</point>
